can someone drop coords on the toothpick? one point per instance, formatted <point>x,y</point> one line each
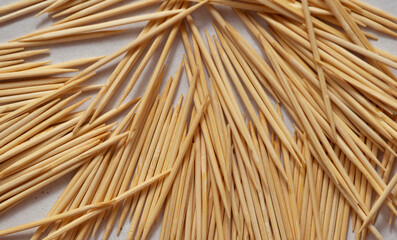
<point>375,10</point>
<point>276,123</point>
<point>262,213</point>
<point>130,192</point>
<point>53,148</point>
<point>184,198</point>
<point>23,54</point>
<point>247,193</point>
<point>76,8</point>
<point>21,124</point>
<point>208,125</point>
<point>12,142</point>
<point>45,98</point>
<point>11,50</point>
<point>313,198</point>
<point>10,63</point>
<point>94,17</point>
<point>34,73</point>
<point>379,202</point>
<point>17,5</point>
<point>99,6</point>
<point>100,26</point>
<point>319,70</point>
<point>136,43</point>
<point>55,4</point>
<point>26,10</point>
<point>178,161</point>
<point>23,67</point>
<point>76,37</point>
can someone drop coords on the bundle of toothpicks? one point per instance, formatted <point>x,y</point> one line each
<point>219,162</point>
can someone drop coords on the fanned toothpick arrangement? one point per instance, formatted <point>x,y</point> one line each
<point>219,162</point>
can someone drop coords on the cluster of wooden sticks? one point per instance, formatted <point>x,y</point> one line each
<point>213,171</point>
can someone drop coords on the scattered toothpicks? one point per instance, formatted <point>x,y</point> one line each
<point>222,162</point>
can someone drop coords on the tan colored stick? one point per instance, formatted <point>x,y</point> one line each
<point>100,26</point>
<point>81,5</point>
<point>67,87</point>
<point>178,161</point>
<point>379,202</point>
<point>313,197</point>
<point>23,54</point>
<point>136,43</point>
<point>265,106</point>
<point>11,50</point>
<point>78,211</point>
<point>93,9</point>
<point>34,73</point>
<point>23,67</point>
<point>209,127</point>
<point>92,18</point>
<point>319,70</point>
<point>24,11</point>
<point>10,63</point>
<point>77,37</point>
<point>18,5</point>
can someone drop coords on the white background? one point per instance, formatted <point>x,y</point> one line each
<point>36,206</point>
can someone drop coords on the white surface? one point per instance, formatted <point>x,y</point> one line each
<point>37,206</point>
